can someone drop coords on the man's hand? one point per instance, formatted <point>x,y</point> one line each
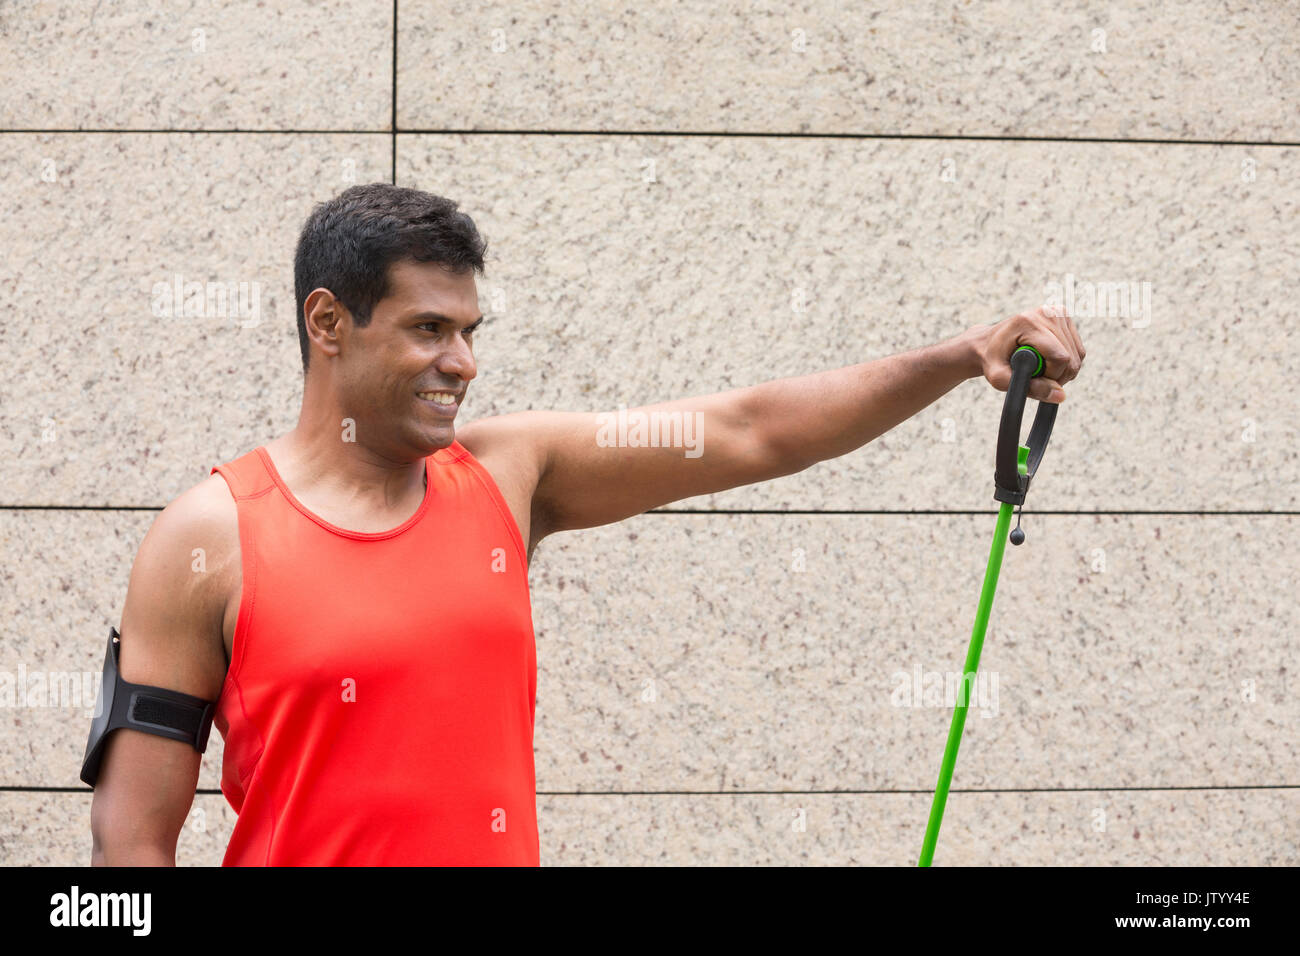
<point>1048,329</point>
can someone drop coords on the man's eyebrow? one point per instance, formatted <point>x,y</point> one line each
<point>439,317</point>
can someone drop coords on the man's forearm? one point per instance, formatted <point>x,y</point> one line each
<point>810,418</point>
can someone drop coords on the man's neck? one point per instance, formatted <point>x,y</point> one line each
<point>346,475</point>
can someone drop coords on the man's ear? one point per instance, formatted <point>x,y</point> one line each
<point>323,315</point>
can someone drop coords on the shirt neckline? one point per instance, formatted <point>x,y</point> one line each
<point>335,529</point>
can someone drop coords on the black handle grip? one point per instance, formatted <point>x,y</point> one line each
<point>1009,485</point>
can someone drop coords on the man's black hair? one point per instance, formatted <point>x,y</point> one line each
<point>348,243</point>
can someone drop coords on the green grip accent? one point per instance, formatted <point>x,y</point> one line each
<point>1022,460</point>
<point>1038,371</point>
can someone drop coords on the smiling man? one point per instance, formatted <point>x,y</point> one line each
<point>358,626</point>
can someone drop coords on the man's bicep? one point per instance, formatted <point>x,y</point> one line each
<point>171,620</point>
<point>604,467</point>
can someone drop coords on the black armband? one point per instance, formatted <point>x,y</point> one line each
<point>152,710</point>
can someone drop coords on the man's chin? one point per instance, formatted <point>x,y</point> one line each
<point>437,437</point>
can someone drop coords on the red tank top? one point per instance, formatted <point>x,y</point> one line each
<point>379,704</point>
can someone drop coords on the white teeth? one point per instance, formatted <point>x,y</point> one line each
<point>441,398</point>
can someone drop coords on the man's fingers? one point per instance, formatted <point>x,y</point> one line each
<point>1068,322</point>
<point>1051,331</point>
<point>1046,390</point>
<point>1070,336</point>
<point>1043,334</point>
<point>1071,369</point>
<point>1041,389</point>
<point>1078,342</point>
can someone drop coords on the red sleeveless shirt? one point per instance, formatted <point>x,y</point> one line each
<point>379,704</point>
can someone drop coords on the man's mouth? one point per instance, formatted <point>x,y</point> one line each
<point>445,403</point>
<point>442,398</point>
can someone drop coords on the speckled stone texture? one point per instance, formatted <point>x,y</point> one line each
<point>97,384</point>
<point>1206,70</point>
<point>213,64</point>
<point>741,689</point>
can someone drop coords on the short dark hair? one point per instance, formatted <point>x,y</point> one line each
<point>348,243</point>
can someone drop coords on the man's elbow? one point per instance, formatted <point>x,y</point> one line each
<point>120,836</point>
<point>777,456</point>
<point>108,850</point>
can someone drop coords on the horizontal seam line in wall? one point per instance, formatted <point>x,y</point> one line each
<point>782,793</point>
<point>981,137</point>
<point>386,131</point>
<point>757,511</point>
<point>779,793</point>
<point>896,511</point>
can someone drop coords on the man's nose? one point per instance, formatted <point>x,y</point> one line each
<point>458,360</point>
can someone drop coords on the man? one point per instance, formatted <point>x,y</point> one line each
<point>361,617</point>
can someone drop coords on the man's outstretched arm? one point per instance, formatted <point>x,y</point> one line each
<point>596,469</point>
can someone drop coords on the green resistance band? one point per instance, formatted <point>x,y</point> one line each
<point>1016,466</point>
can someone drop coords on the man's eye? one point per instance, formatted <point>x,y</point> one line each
<point>435,327</point>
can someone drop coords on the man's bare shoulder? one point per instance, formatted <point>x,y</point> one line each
<point>208,514</point>
<point>510,442</point>
<point>185,575</point>
<point>207,510</point>
<point>510,448</point>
